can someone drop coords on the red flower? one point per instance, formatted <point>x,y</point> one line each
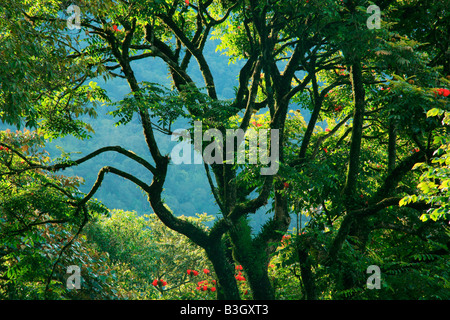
<point>195,272</point>
<point>443,92</point>
<point>239,278</point>
<point>205,288</point>
<point>206,271</point>
<point>325,149</point>
<point>187,2</point>
<point>286,185</point>
<point>189,271</point>
<point>116,29</point>
<point>416,149</point>
<point>213,289</point>
<point>160,282</point>
<point>239,267</point>
<point>327,130</point>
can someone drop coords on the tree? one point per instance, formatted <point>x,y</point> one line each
<point>41,223</point>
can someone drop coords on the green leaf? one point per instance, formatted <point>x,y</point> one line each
<point>418,165</point>
<point>434,112</point>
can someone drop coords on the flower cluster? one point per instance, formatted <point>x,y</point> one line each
<point>442,92</point>
<point>160,283</point>
<point>116,29</point>
<point>210,285</point>
<point>338,108</point>
<point>4,148</point>
<point>203,286</point>
<point>285,240</point>
<point>192,272</point>
<point>240,277</point>
<point>195,272</point>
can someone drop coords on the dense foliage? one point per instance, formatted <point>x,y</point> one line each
<point>363,150</point>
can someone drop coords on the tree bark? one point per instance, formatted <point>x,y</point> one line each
<point>356,80</point>
<point>308,278</point>
<point>226,285</point>
<point>392,146</point>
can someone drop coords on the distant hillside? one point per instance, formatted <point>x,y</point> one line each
<point>187,189</point>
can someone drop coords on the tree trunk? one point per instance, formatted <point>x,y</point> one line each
<point>251,254</point>
<point>349,192</point>
<point>226,285</point>
<point>307,274</point>
<point>260,284</point>
<point>356,79</point>
<point>392,148</point>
